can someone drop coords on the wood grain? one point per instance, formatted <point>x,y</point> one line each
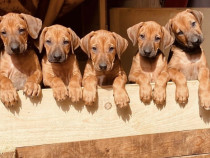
<point>172,144</point>
<point>44,121</point>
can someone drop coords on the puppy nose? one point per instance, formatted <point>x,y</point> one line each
<point>15,47</point>
<point>147,51</point>
<point>195,40</point>
<point>57,56</point>
<point>103,66</point>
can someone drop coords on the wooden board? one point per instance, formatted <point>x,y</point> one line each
<point>123,18</point>
<point>44,121</point>
<point>193,143</point>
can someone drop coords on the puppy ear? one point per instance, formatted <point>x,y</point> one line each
<point>41,39</point>
<point>75,40</point>
<point>167,39</point>
<point>133,32</point>
<point>121,44</point>
<point>34,25</point>
<point>197,14</point>
<point>85,43</point>
<point>168,27</point>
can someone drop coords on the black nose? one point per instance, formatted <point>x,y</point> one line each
<point>147,51</point>
<point>103,66</point>
<point>196,41</point>
<point>57,56</point>
<point>15,47</point>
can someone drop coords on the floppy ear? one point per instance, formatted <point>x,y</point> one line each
<point>75,40</point>
<point>41,39</point>
<point>197,14</point>
<point>167,39</point>
<point>121,44</point>
<point>85,43</point>
<point>34,25</point>
<point>133,32</point>
<point>168,27</point>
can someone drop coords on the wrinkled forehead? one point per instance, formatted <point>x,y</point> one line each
<point>12,20</point>
<point>57,33</point>
<point>103,39</point>
<point>150,29</point>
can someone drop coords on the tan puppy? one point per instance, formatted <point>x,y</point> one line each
<point>59,65</point>
<point>104,49</point>
<point>149,64</point>
<point>187,60</point>
<point>19,66</point>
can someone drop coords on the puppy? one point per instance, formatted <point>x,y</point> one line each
<point>187,60</point>
<point>59,65</point>
<point>19,66</point>
<point>103,67</point>
<point>149,64</point>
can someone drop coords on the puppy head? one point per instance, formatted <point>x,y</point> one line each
<point>102,47</point>
<point>150,37</point>
<point>186,28</point>
<point>14,30</point>
<point>58,42</point>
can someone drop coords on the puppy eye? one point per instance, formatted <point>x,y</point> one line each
<point>111,49</point>
<point>142,36</point>
<point>94,48</point>
<point>48,41</point>
<point>157,38</point>
<point>22,30</point>
<point>180,33</point>
<point>3,33</point>
<point>65,42</point>
<point>193,24</point>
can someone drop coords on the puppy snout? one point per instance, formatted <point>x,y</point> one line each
<point>57,56</point>
<point>196,40</point>
<point>15,47</point>
<point>103,66</point>
<point>147,51</point>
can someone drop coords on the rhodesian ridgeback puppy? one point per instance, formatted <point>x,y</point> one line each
<point>103,67</point>
<point>187,60</point>
<point>59,65</point>
<point>19,65</point>
<point>149,64</point>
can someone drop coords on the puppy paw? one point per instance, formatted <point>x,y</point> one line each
<point>89,96</point>
<point>159,95</point>
<point>60,93</point>
<point>182,94</point>
<point>75,93</point>
<point>9,96</point>
<point>32,89</point>
<point>204,98</point>
<point>145,93</point>
<point>121,98</point>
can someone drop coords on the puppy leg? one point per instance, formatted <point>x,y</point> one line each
<point>8,93</point>
<point>159,95</point>
<point>120,94</point>
<point>182,92</point>
<point>204,88</point>
<point>75,90</point>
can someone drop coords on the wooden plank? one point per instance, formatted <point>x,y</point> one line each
<point>8,155</point>
<point>102,11</point>
<point>45,121</point>
<point>172,144</point>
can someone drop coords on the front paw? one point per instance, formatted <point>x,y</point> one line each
<point>121,98</point>
<point>32,89</point>
<point>60,93</point>
<point>9,96</point>
<point>204,98</point>
<point>89,95</point>
<point>182,94</point>
<point>75,93</point>
<point>145,93</point>
<point>159,95</point>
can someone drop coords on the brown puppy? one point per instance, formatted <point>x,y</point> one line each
<point>59,65</point>
<point>187,60</point>
<point>19,66</point>
<point>149,64</point>
<point>104,49</point>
